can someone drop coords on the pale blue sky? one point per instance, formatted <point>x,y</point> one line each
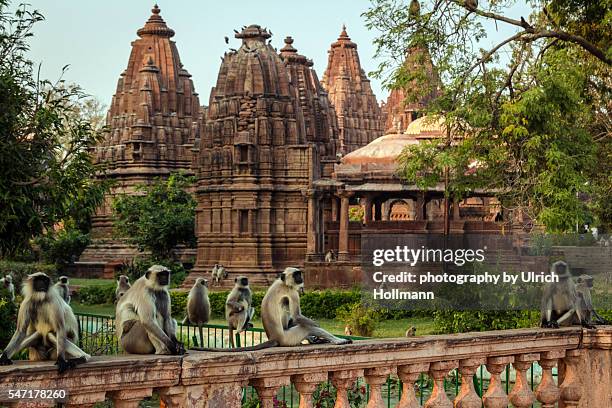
<point>94,36</point>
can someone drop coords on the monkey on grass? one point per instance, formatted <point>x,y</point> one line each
<point>560,302</point>
<point>584,284</point>
<point>46,326</point>
<point>198,305</point>
<point>143,320</point>
<point>282,317</point>
<point>123,284</point>
<point>7,283</point>
<point>63,288</point>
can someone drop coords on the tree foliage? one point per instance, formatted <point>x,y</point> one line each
<point>527,117</point>
<point>161,217</point>
<point>47,171</point>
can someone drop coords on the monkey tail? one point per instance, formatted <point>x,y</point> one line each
<point>264,345</point>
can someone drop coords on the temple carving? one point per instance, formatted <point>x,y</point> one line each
<point>269,129</point>
<point>153,123</point>
<point>360,118</point>
<point>284,163</point>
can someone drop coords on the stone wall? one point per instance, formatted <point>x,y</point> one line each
<point>215,380</point>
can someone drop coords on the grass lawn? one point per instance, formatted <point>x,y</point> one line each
<point>91,282</point>
<point>386,328</point>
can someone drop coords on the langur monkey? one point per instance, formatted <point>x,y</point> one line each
<point>198,305</point>
<point>123,284</point>
<point>7,283</point>
<point>560,302</point>
<point>282,317</point>
<point>144,323</point>
<point>219,273</point>
<point>348,331</point>
<point>238,309</point>
<point>411,332</point>
<point>63,289</point>
<point>46,325</point>
<point>584,283</point>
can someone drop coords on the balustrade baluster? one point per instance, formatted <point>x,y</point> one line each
<point>376,377</point>
<point>521,395</point>
<point>439,370</point>
<point>571,387</point>
<point>268,387</point>
<point>496,397</point>
<point>547,392</point>
<point>130,398</point>
<point>409,374</point>
<point>343,380</point>
<point>306,384</point>
<point>467,397</point>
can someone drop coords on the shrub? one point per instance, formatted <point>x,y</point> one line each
<point>136,268</point>
<point>63,247</point>
<point>451,321</point>
<point>96,295</point>
<point>362,319</point>
<point>19,270</point>
<point>8,317</point>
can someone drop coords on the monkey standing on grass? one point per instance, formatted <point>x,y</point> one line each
<point>123,284</point>
<point>143,320</point>
<point>63,289</point>
<point>584,283</point>
<point>238,309</point>
<point>46,326</point>
<point>7,283</point>
<point>560,302</point>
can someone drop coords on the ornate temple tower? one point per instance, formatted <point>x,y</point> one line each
<point>153,123</point>
<point>321,125</point>
<point>401,108</point>
<point>359,116</point>
<point>259,155</point>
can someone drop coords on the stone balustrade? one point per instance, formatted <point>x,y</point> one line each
<point>216,380</point>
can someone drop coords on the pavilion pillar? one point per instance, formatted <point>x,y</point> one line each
<point>343,238</point>
<point>419,207</point>
<point>367,201</point>
<point>456,213</point>
<point>334,209</point>
<point>386,210</point>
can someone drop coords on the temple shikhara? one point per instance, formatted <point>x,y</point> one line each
<point>288,168</point>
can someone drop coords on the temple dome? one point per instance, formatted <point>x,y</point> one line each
<point>383,150</point>
<point>426,127</point>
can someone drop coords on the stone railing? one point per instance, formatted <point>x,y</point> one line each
<point>216,380</point>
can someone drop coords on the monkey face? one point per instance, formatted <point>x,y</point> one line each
<point>163,278</point>
<point>585,281</point>
<point>40,282</point>
<point>293,278</point>
<point>202,282</point>
<point>158,275</point>
<point>64,280</point>
<point>242,281</point>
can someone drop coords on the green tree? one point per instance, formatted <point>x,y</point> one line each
<point>47,171</point>
<point>160,218</point>
<point>528,117</point>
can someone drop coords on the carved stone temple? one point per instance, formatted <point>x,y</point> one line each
<point>270,134</point>
<point>280,158</point>
<point>359,116</point>
<point>153,123</point>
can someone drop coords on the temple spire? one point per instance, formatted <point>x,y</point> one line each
<point>156,25</point>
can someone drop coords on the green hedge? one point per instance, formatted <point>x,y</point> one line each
<point>315,304</point>
<point>96,295</point>
<point>20,270</point>
<point>8,317</point>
